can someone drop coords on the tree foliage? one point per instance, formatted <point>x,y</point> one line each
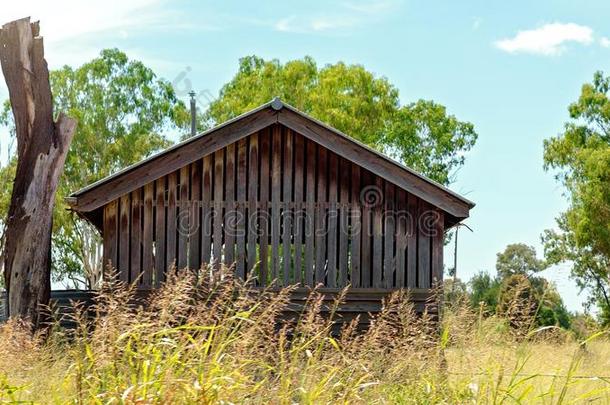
<point>427,139</point>
<point>421,135</point>
<point>531,299</point>
<point>517,292</point>
<point>484,290</point>
<point>580,157</point>
<point>123,111</point>
<point>518,258</point>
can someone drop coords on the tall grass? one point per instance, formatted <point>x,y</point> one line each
<point>221,343</point>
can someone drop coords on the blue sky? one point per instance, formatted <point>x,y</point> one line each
<point>511,68</point>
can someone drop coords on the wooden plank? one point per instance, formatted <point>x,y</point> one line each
<point>253,180</point>
<point>206,209</point>
<point>412,241</point>
<point>264,141</point>
<point>194,240</point>
<point>402,219</point>
<point>438,242</point>
<point>287,212</point>
<point>183,217</point>
<point>276,194</point>
<point>111,237</point>
<point>173,159</point>
<point>299,213</point>
<point>229,213</point>
<point>375,163</point>
<point>388,236</point>
<point>377,266</point>
<point>357,302</point>
<point>366,231</point>
<point>344,192</point>
<point>160,234</point>
<point>333,169</point>
<point>321,199</point>
<point>218,214</point>
<point>355,294</point>
<point>135,244</point>
<point>124,225</point>
<point>147,236</point>
<point>310,197</point>
<point>242,173</point>
<point>355,227</point>
<point>423,247</point>
<point>171,247</point>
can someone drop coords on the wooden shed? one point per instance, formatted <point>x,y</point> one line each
<point>281,198</point>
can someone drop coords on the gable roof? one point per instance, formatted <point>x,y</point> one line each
<point>90,199</point>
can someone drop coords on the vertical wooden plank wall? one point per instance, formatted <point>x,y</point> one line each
<point>320,218</point>
<point>123,242</point>
<point>206,209</point>
<point>365,228</point>
<point>194,211</point>
<point>229,229</point>
<point>242,180</point>
<point>252,223</point>
<point>135,242</point>
<point>110,242</point>
<point>147,237</point>
<point>343,214</point>
<point>276,193</point>
<point>299,211</point>
<point>280,208</point>
<point>401,223</point>
<point>183,217</point>
<point>332,212</point>
<point>217,234</point>
<point>263,211</point>
<point>171,230</point>
<point>355,219</point>
<point>288,276</point>
<point>310,212</point>
<point>160,239</point>
<point>389,258</point>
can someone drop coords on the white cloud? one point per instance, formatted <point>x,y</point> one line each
<point>325,24</point>
<point>549,39</point>
<point>284,24</point>
<point>371,6</point>
<point>347,15</point>
<point>65,19</point>
<point>476,23</point>
<point>313,24</point>
<point>605,42</point>
<point>74,31</point>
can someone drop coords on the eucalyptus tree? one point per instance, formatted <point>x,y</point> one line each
<point>580,159</point>
<point>124,113</point>
<point>352,99</point>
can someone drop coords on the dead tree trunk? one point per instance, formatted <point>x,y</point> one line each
<point>42,145</point>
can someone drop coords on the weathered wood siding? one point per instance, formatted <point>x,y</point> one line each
<point>278,208</point>
<point>361,303</point>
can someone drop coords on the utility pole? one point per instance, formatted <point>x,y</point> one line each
<point>193,113</point>
<point>455,254</point>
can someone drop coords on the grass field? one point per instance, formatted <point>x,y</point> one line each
<point>218,345</point>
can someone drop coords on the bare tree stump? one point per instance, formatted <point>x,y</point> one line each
<point>42,146</point>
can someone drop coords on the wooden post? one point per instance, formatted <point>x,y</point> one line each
<point>42,146</point>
